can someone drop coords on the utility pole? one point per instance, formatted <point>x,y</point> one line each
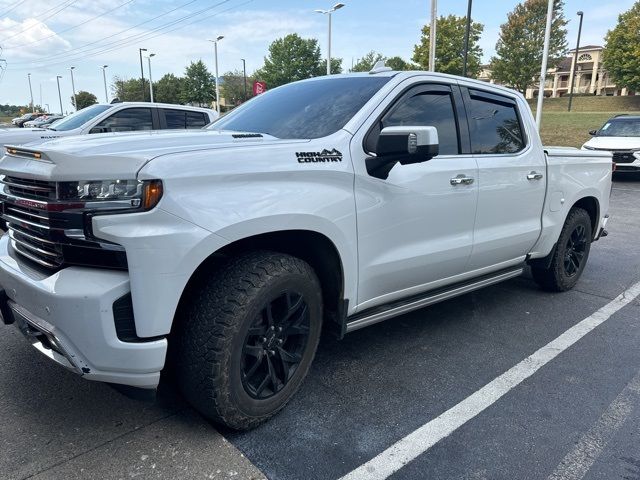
<point>58,77</point>
<point>104,78</point>
<point>432,35</point>
<point>244,76</point>
<point>215,49</point>
<point>73,86</point>
<point>543,67</point>
<point>337,6</point>
<point>575,62</point>
<point>467,32</point>
<point>33,107</point>
<point>142,72</point>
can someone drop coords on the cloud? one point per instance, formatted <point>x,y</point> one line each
<point>20,34</point>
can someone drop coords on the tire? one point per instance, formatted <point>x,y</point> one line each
<point>247,338</point>
<point>570,254</point>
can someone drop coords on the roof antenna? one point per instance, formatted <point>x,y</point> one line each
<point>380,67</point>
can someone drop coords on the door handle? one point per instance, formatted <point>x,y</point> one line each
<point>534,176</point>
<point>461,179</point>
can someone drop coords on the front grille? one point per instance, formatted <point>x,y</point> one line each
<point>39,233</point>
<point>623,157</point>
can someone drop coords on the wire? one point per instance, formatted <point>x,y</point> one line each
<point>63,53</point>
<point>12,7</point>
<point>68,4</point>
<point>70,28</point>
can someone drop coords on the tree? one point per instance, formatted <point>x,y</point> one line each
<point>85,99</point>
<point>199,85</point>
<point>519,48</point>
<point>294,58</point>
<point>622,49</point>
<point>168,89</point>
<point>128,90</point>
<point>367,62</point>
<point>232,87</point>
<point>450,46</point>
<point>397,63</point>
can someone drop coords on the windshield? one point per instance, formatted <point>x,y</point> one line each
<point>79,118</point>
<point>309,109</point>
<point>620,128</point>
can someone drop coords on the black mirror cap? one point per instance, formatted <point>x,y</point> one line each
<point>593,133</point>
<point>422,153</point>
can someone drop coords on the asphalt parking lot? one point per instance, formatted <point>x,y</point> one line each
<point>577,416</point>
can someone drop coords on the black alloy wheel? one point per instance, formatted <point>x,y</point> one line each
<point>274,345</point>
<point>575,250</point>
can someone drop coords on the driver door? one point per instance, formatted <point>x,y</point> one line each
<point>415,228</point>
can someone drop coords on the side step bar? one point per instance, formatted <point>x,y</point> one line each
<point>379,314</point>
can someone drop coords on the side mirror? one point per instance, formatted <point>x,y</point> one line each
<point>404,145</point>
<point>592,132</point>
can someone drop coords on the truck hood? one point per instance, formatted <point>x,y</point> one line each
<point>119,156</point>
<point>614,143</point>
<point>19,136</point>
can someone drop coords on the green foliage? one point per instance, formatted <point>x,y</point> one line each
<point>450,46</point>
<point>293,58</point>
<point>367,62</point>
<point>232,87</point>
<point>397,63</point>
<point>168,89</point>
<point>622,49</point>
<point>199,85</point>
<point>519,48</point>
<point>129,90</point>
<point>85,99</point>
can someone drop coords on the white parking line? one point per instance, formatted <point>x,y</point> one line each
<point>422,439</point>
<point>579,460</point>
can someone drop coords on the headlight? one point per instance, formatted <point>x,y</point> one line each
<point>112,194</point>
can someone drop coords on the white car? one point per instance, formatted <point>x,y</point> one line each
<point>114,117</point>
<point>620,135</point>
<point>334,202</point>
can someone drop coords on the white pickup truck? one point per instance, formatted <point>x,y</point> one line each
<point>335,202</point>
<point>113,117</point>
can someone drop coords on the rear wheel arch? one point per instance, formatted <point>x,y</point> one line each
<point>592,207</point>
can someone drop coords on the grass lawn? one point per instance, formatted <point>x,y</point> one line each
<point>571,129</point>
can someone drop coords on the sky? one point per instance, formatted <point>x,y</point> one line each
<point>47,37</point>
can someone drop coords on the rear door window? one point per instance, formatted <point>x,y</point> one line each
<point>184,119</point>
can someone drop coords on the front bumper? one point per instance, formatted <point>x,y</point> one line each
<point>68,316</point>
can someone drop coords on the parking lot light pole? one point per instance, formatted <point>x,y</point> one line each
<point>467,32</point>
<point>142,71</point>
<point>575,62</point>
<point>337,6</point>
<point>244,77</point>
<point>150,78</point>
<point>58,77</point>
<point>73,86</point>
<point>104,78</point>
<point>33,107</point>
<point>432,35</point>
<point>215,49</point>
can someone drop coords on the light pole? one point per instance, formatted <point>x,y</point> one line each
<point>33,107</point>
<point>142,71</point>
<point>215,47</point>
<point>244,76</point>
<point>543,66</point>
<point>73,86</point>
<point>432,35</point>
<point>467,32</point>
<point>58,77</point>
<point>150,78</point>
<point>104,78</point>
<point>575,62</point>
<point>337,6</point>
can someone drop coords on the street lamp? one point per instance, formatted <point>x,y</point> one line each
<point>58,77</point>
<point>33,107</point>
<point>73,86</point>
<point>337,6</point>
<point>244,76</point>
<point>104,78</point>
<point>215,47</point>
<point>150,78</point>
<point>142,71</point>
<point>575,62</point>
<point>467,31</point>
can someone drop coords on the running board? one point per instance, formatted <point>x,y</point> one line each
<point>379,314</point>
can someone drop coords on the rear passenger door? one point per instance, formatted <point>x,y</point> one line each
<point>173,118</point>
<point>511,180</point>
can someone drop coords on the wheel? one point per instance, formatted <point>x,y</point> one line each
<point>248,337</point>
<point>570,254</point>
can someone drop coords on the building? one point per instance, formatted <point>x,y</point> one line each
<point>591,78</point>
